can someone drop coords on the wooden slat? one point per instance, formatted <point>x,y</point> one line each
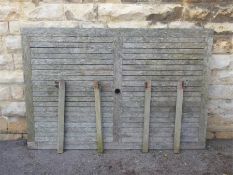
<point>99,136</point>
<point>145,142</point>
<point>72,61</point>
<point>61,117</point>
<point>28,90</point>
<point>161,51</point>
<point>167,45</point>
<point>178,118</point>
<point>162,62</point>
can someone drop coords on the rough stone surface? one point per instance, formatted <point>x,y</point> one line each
<point>11,76</point>
<point>18,61</point>
<point>3,28</point>
<point>9,11</point>
<point>125,12</point>
<point>5,93</point>
<point>221,91</point>
<point>221,62</point>
<point>13,42</point>
<point>6,62</point>
<point>17,92</point>
<point>47,12</point>
<point>83,12</point>
<point>17,125</point>
<point>220,27</point>
<point>223,44</point>
<point>11,137</point>
<point>13,109</point>
<point>195,13</point>
<point>3,124</point>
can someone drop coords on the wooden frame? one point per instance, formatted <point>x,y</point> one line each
<point>99,135</point>
<point>145,142</point>
<point>119,39</point>
<point>61,116</point>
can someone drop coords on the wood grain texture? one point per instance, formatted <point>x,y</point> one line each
<point>61,117</point>
<point>99,135</point>
<point>118,59</point>
<point>28,88</point>
<point>145,140</point>
<point>178,117</point>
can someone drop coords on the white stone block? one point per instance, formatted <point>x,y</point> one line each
<point>11,76</point>
<point>18,61</point>
<point>221,91</point>
<point>9,11</point>
<point>182,24</point>
<point>132,12</point>
<point>47,12</point>
<point>220,27</point>
<point>13,42</point>
<point>17,92</point>
<point>3,28</point>
<point>5,92</point>
<point>83,12</point>
<point>12,109</point>
<point>221,61</point>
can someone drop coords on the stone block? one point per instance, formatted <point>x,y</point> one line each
<point>182,24</point>
<point>11,136</point>
<point>220,108</point>
<point>13,42</point>
<point>139,12</point>
<point>3,124</point>
<point>13,109</point>
<point>224,135</point>
<point>17,92</point>
<point>9,11</point>
<point>128,24</point>
<point>221,62</point>
<point>6,62</point>
<point>5,92</point>
<point>3,28</point>
<point>221,91</point>
<point>225,27</point>
<point>210,135</point>
<point>11,76</point>
<point>224,14</point>
<point>221,77</point>
<point>18,61</point>
<point>14,27</point>
<point>47,12</point>
<point>223,44</point>
<point>17,125</point>
<point>195,13</point>
<point>83,12</point>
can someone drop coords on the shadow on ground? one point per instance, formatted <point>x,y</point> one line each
<point>16,159</point>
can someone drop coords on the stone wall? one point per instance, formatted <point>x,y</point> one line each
<point>212,14</point>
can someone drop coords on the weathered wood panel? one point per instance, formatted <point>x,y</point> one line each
<point>121,60</point>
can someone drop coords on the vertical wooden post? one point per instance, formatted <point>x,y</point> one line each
<point>145,143</point>
<point>61,118</point>
<point>178,119</point>
<point>99,136</point>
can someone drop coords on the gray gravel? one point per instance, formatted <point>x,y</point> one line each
<point>16,159</point>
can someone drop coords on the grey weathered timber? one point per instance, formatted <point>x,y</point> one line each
<point>61,116</point>
<point>178,119</point>
<point>121,60</point>
<point>28,89</point>
<point>99,137</point>
<point>145,141</point>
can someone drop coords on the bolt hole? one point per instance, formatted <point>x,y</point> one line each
<point>117,91</point>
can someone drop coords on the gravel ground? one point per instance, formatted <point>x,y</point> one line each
<point>16,159</point>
